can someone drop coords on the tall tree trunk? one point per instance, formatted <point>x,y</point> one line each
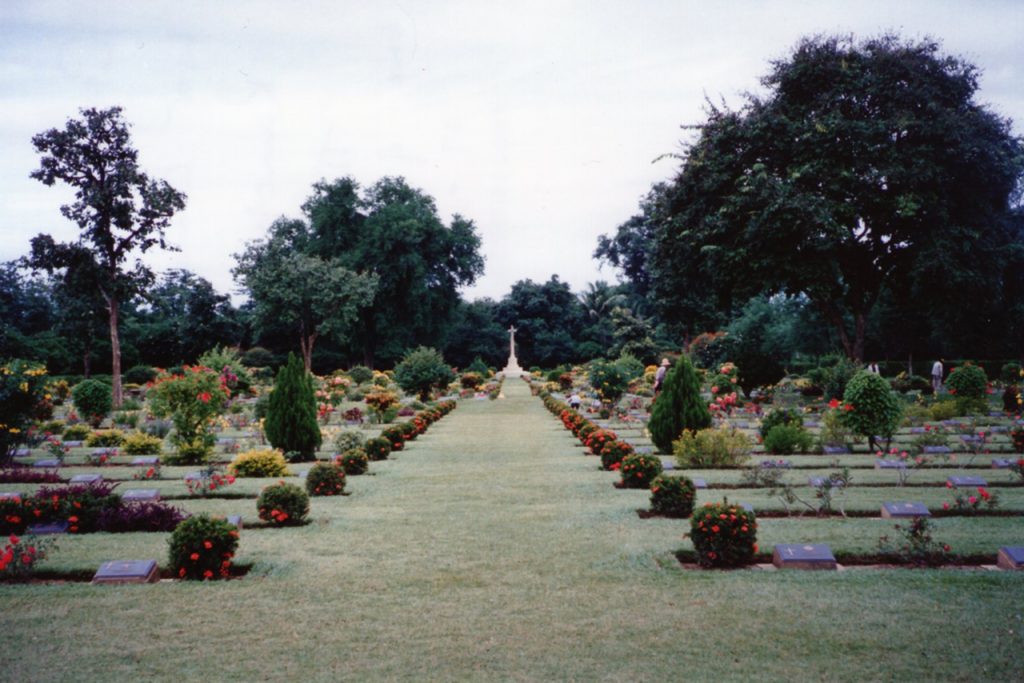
<point>115,351</point>
<point>306,343</point>
<point>370,341</point>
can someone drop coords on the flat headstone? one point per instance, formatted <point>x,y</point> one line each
<point>236,520</point>
<point>935,450</point>
<point>104,450</point>
<point>776,464</point>
<point>819,481</point>
<point>646,450</point>
<point>127,571</point>
<point>73,443</point>
<point>747,506</point>
<point>959,481</point>
<point>999,429</point>
<point>803,556</point>
<point>904,509</point>
<point>303,474</point>
<point>138,495</point>
<point>1001,463</point>
<point>86,479</point>
<point>10,495</point>
<point>22,453</point>
<point>145,461</point>
<point>1011,557</point>
<point>833,449</point>
<point>60,527</point>
<point>971,438</point>
<point>812,424</point>
<point>222,440</point>
<point>699,483</point>
<point>741,424</point>
<point>918,430</point>
<point>46,463</point>
<point>951,423</point>
<point>667,465</point>
<point>890,465</point>
<point>193,476</point>
<point>995,413</point>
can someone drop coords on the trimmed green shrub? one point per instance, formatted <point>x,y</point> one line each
<point>723,535</point>
<point>780,416</point>
<point>874,407</point>
<point>377,448</point>
<point>140,443</point>
<point>613,452</point>
<point>609,379</point>
<point>258,357</point>
<point>283,504</point>
<point>395,435</point>
<point>93,400</point>
<point>201,548</point>
<point>945,409</point>
<point>639,470</point>
<point>77,432</point>
<point>721,447</point>
<point>967,381</point>
<point>672,496</point>
<point>291,424</point>
<point>259,464</point>
<point>354,462</point>
<point>360,374</point>
<point>325,479</point>
<point>106,438</point>
<point>678,407</point>
<point>347,439</point>
<point>423,370</point>
<point>786,439</point>
<point>140,374</point>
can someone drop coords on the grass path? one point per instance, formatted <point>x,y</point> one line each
<point>492,550</point>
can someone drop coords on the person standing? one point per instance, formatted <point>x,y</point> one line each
<point>937,376</point>
<point>873,368</point>
<point>659,376</point>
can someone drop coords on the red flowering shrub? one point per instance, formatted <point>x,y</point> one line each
<point>377,448</point>
<point>20,556</point>
<point>672,496</point>
<point>201,548</point>
<point>325,479</point>
<point>613,452</point>
<point>724,535</point>
<point>598,438</point>
<point>354,462</point>
<point>395,436</point>
<point>283,504</point>
<point>639,470</point>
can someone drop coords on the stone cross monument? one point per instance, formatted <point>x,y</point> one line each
<point>512,368</point>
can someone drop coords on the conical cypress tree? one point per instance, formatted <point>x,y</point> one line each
<point>679,406</point>
<point>291,414</point>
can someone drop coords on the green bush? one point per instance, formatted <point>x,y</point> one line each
<point>672,496</point>
<point>354,462</point>
<point>140,443</point>
<point>93,400</point>
<point>874,407</point>
<point>227,362</point>
<point>721,447</point>
<point>613,452</point>
<point>360,374</point>
<point>283,504</point>
<point>106,438</point>
<point>610,380</point>
<point>347,439</point>
<point>786,439</point>
<point>201,548</point>
<point>639,470</point>
<point>833,375</point>
<point>423,370</point>
<point>1010,372</point>
<point>967,381</point>
<point>833,431</point>
<point>258,357</point>
<point>291,424</point>
<point>723,535</point>
<point>678,407</point>
<point>140,374</point>
<point>395,435</point>
<point>325,479</point>
<point>631,365</point>
<point>377,448</point>
<point>780,416</point>
<point>77,432</point>
<point>945,409</point>
<point>259,464</point>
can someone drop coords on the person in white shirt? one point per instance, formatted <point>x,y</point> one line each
<point>937,376</point>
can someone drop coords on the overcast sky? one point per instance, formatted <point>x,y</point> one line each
<point>539,121</point>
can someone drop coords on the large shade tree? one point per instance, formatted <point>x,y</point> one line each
<point>119,209</point>
<point>864,166</point>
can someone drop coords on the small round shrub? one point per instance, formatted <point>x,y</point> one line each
<point>943,410</point>
<point>1010,372</point>
<point>261,463</point>
<point>639,470</point>
<point>967,381</point>
<point>283,504</point>
<point>786,439</point>
<point>377,448</point>
<point>140,443</point>
<point>354,462</point>
<point>360,374</point>
<point>325,479</point>
<point>201,548</point>
<point>713,447</point>
<point>779,417</point>
<point>410,430</point>
<point>395,436</point>
<point>723,535</point>
<point>77,432</point>
<point>598,438</point>
<point>672,496</point>
<point>106,438</point>
<point>93,400</point>
<point>140,374</point>
<point>874,409</point>
<point>347,439</point>
<point>613,453</point>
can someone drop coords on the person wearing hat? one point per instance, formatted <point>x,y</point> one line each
<point>659,376</point>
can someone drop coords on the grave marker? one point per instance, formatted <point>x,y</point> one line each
<point>60,527</point>
<point>22,453</point>
<point>917,430</point>
<point>140,495</point>
<point>817,482</point>
<point>1001,463</point>
<point>958,481</point>
<point>835,449</point>
<point>236,520</point>
<point>127,571</point>
<point>1011,557</point>
<point>935,450</point>
<point>777,464</point>
<point>667,465</point>
<point>145,461</point>
<point>46,463</point>
<point>193,476</point>
<point>11,495</point>
<point>86,479</point>
<point>904,509</point>
<point>699,483</point>
<point>803,556</point>
<point>73,443</point>
<point>890,465</point>
<point>748,507</point>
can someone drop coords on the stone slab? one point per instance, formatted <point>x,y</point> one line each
<point>10,495</point>
<point>22,453</point>
<point>1001,463</point>
<point>73,443</point>
<point>49,528</point>
<point>699,483</point>
<point>146,461</point>
<point>236,520</point>
<point>917,430</point>
<point>899,509</point>
<point>959,481</point>
<point>127,571</point>
<point>46,463</point>
<point>193,476</point>
<point>833,449</point>
<point>803,556</point>
<point>1011,557</point>
<point>776,464</point>
<point>818,481</point>
<point>747,506</point>
<point>936,450</point>
<point>140,495</point>
<point>90,478</point>
<point>812,424</point>
<point>646,450</point>
<point>890,465</point>
<point>667,465</point>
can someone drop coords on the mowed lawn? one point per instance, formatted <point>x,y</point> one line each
<point>491,549</point>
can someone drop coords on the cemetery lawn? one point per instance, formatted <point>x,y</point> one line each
<point>491,549</point>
